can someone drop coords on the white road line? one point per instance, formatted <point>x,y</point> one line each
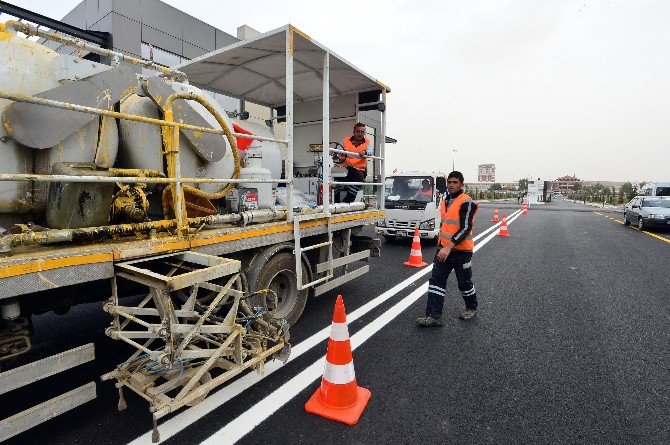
<point>251,418</point>
<point>247,421</point>
<point>185,418</point>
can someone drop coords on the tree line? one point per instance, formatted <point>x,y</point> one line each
<point>600,193</point>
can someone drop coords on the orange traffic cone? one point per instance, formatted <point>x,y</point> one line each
<point>495,215</point>
<point>415,257</point>
<point>503,227</point>
<point>339,397</point>
<point>524,209</point>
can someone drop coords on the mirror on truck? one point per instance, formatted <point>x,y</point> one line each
<point>441,184</point>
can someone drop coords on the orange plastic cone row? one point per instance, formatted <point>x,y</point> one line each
<point>339,397</point>
<point>415,256</point>
<point>495,215</point>
<point>503,227</point>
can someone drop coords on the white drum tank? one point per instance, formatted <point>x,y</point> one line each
<point>255,170</point>
<point>270,152</point>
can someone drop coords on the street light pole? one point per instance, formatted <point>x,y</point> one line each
<point>453,159</point>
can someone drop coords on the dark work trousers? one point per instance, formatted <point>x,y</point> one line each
<point>353,175</point>
<point>461,262</point>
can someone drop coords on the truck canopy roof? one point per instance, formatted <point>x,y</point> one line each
<point>255,69</point>
<point>416,173</point>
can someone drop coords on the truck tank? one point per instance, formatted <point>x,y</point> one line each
<point>33,69</point>
<point>141,144</point>
<point>25,67</point>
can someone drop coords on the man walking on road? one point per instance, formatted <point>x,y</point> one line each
<point>458,214</point>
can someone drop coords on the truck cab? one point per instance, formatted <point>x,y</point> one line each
<point>411,200</point>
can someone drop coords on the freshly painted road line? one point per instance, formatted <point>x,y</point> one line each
<point>243,424</point>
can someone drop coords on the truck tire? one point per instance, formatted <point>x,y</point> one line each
<point>279,275</point>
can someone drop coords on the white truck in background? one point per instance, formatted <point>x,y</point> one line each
<point>412,199</point>
<point>656,189</point>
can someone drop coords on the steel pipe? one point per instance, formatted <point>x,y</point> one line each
<point>31,30</point>
<point>87,234</point>
<point>128,179</point>
<point>115,114</point>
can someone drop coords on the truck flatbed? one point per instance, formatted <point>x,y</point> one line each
<point>48,267</point>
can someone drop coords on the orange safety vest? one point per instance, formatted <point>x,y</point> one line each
<point>357,163</point>
<point>428,192</point>
<point>451,223</point>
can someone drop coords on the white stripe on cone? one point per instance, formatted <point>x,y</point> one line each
<point>415,252</point>
<point>339,332</point>
<point>339,374</point>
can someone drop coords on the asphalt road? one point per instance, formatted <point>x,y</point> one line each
<point>570,346</point>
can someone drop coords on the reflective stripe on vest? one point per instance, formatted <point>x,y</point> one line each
<point>450,223</point>
<point>357,163</point>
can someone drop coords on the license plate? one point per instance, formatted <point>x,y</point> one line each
<point>401,233</point>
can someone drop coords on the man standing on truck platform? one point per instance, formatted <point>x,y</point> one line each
<point>458,214</point>
<point>356,144</point>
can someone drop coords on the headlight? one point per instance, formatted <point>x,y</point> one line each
<point>427,225</point>
<point>653,216</point>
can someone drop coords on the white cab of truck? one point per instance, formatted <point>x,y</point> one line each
<point>412,200</point>
<point>656,189</point>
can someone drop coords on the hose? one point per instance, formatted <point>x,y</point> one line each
<point>167,111</point>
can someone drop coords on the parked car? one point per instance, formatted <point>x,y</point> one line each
<point>648,211</point>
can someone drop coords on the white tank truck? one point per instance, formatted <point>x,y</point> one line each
<point>115,184</point>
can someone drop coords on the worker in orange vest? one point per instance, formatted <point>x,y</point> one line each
<point>425,193</point>
<point>356,144</point>
<point>458,212</point>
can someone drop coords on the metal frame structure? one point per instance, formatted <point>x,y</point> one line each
<point>194,339</point>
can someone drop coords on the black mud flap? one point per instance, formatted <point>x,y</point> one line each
<point>360,243</point>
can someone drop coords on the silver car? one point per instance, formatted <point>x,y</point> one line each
<point>648,211</point>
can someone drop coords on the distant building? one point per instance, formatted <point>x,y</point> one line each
<point>486,173</point>
<point>565,184</point>
<point>539,191</point>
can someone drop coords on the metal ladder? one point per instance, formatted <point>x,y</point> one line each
<point>298,250</point>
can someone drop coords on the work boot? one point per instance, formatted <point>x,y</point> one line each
<point>428,321</point>
<point>468,314</point>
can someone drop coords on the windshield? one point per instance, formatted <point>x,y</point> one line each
<point>408,191</point>
<point>656,203</point>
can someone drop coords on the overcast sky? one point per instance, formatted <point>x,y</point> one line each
<point>540,88</point>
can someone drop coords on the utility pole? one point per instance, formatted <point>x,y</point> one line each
<point>453,159</point>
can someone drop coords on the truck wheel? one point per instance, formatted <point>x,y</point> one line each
<point>279,275</point>
<point>625,220</point>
